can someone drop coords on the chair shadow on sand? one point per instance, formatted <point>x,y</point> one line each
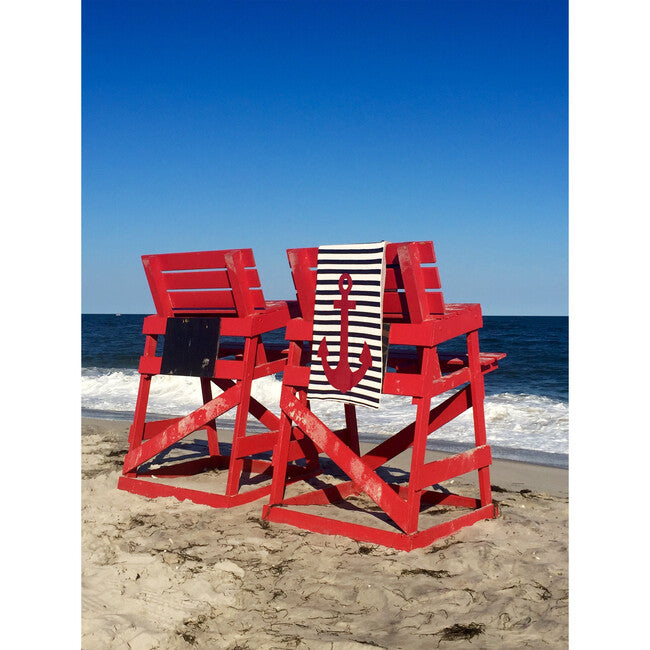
<point>196,449</point>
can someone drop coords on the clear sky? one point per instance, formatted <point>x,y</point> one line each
<point>270,125</point>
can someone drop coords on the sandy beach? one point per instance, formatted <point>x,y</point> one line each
<point>159,573</point>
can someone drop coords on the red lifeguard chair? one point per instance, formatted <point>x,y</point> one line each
<point>201,297</point>
<point>415,311</point>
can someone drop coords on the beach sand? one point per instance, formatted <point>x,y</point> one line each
<point>160,573</point>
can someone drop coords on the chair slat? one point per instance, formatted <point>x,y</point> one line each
<point>309,255</point>
<point>301,261</point>
<point>395,303</point>
<point>236,270</point>
<point>201,300</point>
<point>206,280</point>
<point>436,303</point>
<point>423,248</point>
<point>395,281</point>
<point>198,301</point>
<point>199,260</point>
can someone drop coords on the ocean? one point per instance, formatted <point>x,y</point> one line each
<point>526,403</point>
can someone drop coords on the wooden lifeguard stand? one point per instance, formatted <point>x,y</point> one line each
<point>414,309</point>
<point>200,298</point>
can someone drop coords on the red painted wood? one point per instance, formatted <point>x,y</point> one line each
<point>198,260</point>
<point>223,283</point>
<point>269,419</point>
<point>329,526</point>
<point>286,435</point>
<point>369,534</point>
<point>457,321</point>
<point>403,384</point>
<point>438,471</point>
<point>152,490</point>
<point>152,429</point>
<point>186,468</point>
<point>153,270</point>
<point>424,250</point>
<point>420,318</point>
<point>182,428</point>
<point>430,368</point>
<point>323,496</point>
<point>302,262</point>
<point>435,303</point>
<point>394,282</point>
<point>178,280</point>
<point>299,329</point>
<point>154,325</point>
<point>149,365</point>
<point>228,369</point>
<point>478,395</point>
<point>266,369</point>
<point>430,535</point>
<point>241,416</point>
<point>210,427</point>
<point>440,415</point>
<point>395,305</point>
<point>296,376</point>
<point>376,488</point>
<point>210,301</point>
<point>136,431</point>
<point>186,280</point>
<point>414,287</point>
<point>242,293</point>
<point>448,499</point>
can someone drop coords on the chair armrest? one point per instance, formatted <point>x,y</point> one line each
<point>274,316</point>
<point>458,319</point>
<point>154,325</point>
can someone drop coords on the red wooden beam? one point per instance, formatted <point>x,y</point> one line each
<point>438,471</point>
<point>179,430</point>
<point>356,468</point>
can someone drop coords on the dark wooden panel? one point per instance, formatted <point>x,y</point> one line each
<point>191,347</point>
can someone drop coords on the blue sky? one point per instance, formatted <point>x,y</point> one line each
<point>209,125</point>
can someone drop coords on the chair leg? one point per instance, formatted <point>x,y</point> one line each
<point>351,428</point>
<point>236,463</point>
<point>280,459</point>
<point>210,427</point>
<point>477,392</point>
<point>417,462</point>
<point>308,447</point>
<point>136,431</point>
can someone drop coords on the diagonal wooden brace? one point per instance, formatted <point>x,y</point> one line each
<point>440,415</point>
<point>363,476</point>
<point>182,428</point>
<point>262,414</point>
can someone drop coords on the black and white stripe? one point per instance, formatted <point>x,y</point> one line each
<point>366,265</point>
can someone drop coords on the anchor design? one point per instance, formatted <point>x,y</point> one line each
<point>342,377</point>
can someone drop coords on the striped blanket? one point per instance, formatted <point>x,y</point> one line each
<point>347,355</point>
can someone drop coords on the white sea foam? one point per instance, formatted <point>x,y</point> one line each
<point>517,421</point>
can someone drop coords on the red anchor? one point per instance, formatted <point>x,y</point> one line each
<point>342,376</point>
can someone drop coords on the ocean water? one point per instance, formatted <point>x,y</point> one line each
<point>526,404</point>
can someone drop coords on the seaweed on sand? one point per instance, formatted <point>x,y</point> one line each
<point>461,631</point>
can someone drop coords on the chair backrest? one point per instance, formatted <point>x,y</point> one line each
<point>224,283</point>
<point>412,290</point>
